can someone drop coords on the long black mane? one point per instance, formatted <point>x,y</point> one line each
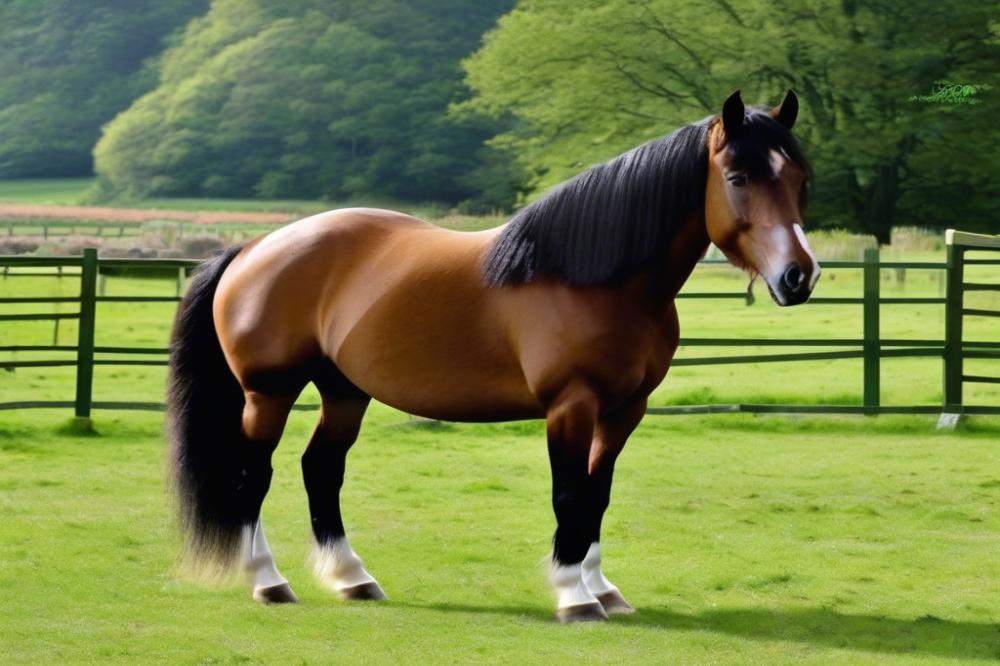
<point>607,222</point>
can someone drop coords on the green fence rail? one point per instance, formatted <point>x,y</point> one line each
<point>870,347</point>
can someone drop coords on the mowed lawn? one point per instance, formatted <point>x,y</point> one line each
<point>739,540</point>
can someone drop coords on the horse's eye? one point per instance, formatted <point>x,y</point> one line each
<point>737,179</point>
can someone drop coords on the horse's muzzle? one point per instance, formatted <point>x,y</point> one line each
<point>794,285</point>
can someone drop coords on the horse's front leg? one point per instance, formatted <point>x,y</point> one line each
<point>610,435</point>
<point>570,423</point>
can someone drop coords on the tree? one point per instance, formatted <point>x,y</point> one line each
<point>67,68</point>
<point>305,98</point>
<point>587,79</point>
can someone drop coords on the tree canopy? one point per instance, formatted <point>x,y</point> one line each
<point>302,98</point>
<point>352,99</point>
<point>67,68</point>
<point>587,79</point>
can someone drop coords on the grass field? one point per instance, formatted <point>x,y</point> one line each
<point>57,191</point>
<point>739,539</point>
<point>74,191</point>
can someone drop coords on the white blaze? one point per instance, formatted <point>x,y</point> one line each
<point>814,270</point>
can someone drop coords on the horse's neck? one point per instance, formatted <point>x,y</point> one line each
<point>674,263</point>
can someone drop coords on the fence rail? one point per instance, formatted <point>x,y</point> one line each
<point>870,347</point>
<point>53,229</point>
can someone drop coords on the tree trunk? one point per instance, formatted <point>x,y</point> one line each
<point>874,204</point>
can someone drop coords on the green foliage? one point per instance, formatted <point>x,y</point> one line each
<point>953,93</point>
<point>67,68</point>
<point>587,79</point>
<point>305,98</point>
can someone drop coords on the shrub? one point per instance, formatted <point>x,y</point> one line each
<point>199,247</point>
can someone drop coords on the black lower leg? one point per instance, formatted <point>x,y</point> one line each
<point>253,482</point>
<point>323,466</point>
<point>600,496</point>
<point>571,503</point>
<point>264,416</point>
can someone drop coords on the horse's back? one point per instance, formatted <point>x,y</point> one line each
<point>397,304</point>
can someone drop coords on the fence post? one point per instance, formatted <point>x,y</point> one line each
<point>953,331</point>
<point>85,342</point>
<point>872,347</point>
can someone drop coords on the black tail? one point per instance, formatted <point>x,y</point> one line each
<point>207,454</point>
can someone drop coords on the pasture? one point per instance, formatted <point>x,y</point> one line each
<point>740,539</point>
<point>77,192</point>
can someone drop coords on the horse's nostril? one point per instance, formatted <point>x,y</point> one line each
<point>793,277</point>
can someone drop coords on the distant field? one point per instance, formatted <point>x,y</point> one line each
<point>72,191</point>
<point>63,191</point>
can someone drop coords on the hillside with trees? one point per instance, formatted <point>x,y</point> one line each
<point>67,67</point>
<point>305,98</point>
<point>483,105</point>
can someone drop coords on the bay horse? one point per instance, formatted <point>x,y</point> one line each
<point>564,313</point>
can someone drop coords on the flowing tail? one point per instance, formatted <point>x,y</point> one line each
<point>215,484</point>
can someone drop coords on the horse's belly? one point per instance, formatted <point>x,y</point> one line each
<point>435,352</point>
<point>437,376</point>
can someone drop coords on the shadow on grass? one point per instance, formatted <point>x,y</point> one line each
<point>926,636</point>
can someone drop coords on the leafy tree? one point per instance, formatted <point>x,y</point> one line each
<point>279,98</point>
<point>67,68</point>
<point>587,79</point>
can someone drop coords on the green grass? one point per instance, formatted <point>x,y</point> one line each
<point>55,191</point>
<point>75,191</point>
<point>739,539</point>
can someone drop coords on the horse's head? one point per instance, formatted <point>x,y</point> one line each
<point>756,190</point>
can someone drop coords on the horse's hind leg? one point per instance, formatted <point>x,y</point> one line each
<point>264,419</point>
<point>269,586</point>
<point>336,564</point>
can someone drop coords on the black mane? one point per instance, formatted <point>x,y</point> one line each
<point>607,222</point>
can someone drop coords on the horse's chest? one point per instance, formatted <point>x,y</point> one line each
<point>620,350</point>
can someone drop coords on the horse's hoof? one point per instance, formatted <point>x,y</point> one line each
<point>276,594</point>
<point>364,592</point>
<point>614,603</point>
<point>589,612</point>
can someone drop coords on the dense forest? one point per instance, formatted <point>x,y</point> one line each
<point>67,67</point>
<point>485,104</point>
<point>308,98</point>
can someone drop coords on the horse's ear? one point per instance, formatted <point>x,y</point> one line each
<point>733,113</point>
<point>786,112</point>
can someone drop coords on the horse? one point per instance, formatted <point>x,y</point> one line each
<point>565,313</point>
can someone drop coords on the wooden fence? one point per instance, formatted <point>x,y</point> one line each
<point>871,347</point>
<point>53,229</point>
